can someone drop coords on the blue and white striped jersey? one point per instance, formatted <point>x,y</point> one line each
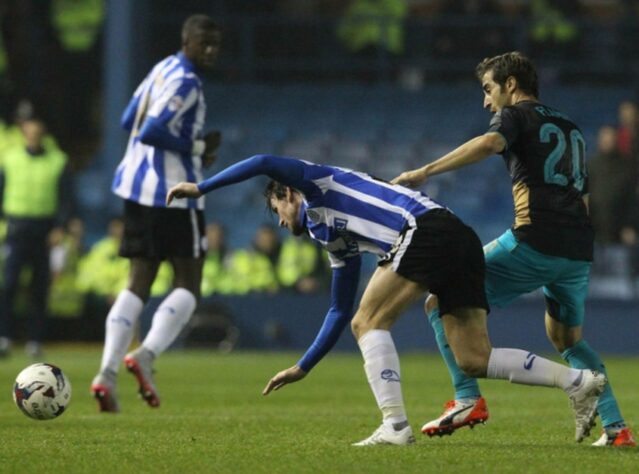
<point>346,211</point>
<point>349,212</point>
<point>165,116</point>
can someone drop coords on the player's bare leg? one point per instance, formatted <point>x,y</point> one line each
<point>468,337</point>
<point>576,351</point>
<point>468,408</point>
<point>386,297</point>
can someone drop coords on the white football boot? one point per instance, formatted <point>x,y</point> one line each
<point>385,434</point>
<point>583,400</point>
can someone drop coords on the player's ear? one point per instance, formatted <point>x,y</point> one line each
<point>511,84</point>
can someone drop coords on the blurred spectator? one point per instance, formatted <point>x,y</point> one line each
<point>254,269</point>
<point>33,197</point>
<point>77,25</point>
<point>628,117</point>
<point>101,272</point>
<point>370,26</point>
<point>553,31</point>
<point>66,299</point>
<point>300,265</point>
<point>215,274</point>
<point>612,181</point>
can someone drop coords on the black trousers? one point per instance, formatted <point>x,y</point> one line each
<point>26,246</point>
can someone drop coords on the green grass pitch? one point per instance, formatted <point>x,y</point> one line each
<point>213,418</point>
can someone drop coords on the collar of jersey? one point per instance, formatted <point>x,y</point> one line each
<point>302,217</point>
<point>186,62</point>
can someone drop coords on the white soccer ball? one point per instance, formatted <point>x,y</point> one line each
<point>42,391</point>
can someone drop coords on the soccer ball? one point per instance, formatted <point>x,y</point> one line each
<point>42,391</point>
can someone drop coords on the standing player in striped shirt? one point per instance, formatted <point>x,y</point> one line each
<point>422,246</point>
<point>166,146</point>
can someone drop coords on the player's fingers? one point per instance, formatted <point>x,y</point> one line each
<point>169,197</point>
<point>268,388</point>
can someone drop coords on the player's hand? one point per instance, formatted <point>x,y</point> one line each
<point>182,190</point>
<point>212,142</point>
<point>290,375</point>
<point>410,178</point>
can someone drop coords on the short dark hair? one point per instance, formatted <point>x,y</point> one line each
<point>196,23</point>
<point>513,64</point>
<point>274,189</point>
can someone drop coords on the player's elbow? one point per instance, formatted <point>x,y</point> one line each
<point>492,143</point>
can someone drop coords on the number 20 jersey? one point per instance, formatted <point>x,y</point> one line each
<point>545,155</point>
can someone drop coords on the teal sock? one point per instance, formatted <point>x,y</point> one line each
<point>465,386</point>
<point>581,356</point>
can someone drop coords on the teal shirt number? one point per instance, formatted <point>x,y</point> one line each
<point>578,149</point>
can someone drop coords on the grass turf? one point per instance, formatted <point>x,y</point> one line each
<point>213,418</point>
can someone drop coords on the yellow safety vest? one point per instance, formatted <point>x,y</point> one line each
<point>77,22</point>
<point>297,260</point>
<point>31,182</point>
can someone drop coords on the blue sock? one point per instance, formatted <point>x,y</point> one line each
<point>581,356</point>
<point>465,387</point>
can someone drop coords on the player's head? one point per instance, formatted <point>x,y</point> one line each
<point>506,79</point>
<point>201,38</point>
<point>285,202</point>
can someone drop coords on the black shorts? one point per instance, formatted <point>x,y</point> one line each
<point>161,233</point>
<point>444,255</point>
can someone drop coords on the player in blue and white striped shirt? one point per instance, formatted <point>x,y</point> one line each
<point>423,247</point>
<point>165,118</point>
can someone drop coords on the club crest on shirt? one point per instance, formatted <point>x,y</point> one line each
<point>175,103</point>
<point>313,215</point>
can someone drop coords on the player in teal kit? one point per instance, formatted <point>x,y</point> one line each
<point>550,244</point>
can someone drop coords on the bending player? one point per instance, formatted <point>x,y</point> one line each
<point>349,213</point>
<point>551,242</point>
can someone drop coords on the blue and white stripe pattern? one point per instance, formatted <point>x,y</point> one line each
<point>171,98</point>
<point>352,213</point>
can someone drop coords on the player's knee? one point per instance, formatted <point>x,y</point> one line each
<point>358,327</point>
<point>472,366</point>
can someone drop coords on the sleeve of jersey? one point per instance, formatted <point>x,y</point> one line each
<point>343,291</point>
<point>288,171</point>
<point>174,101</point>
<point>506,124</point>
<point>128,117</point>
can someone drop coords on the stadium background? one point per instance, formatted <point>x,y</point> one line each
<point>292,80</point>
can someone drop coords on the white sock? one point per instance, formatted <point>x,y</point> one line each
<point>119,329</point>
<point>381,364</point>
<point>527,368</point>
<point>169,319</point>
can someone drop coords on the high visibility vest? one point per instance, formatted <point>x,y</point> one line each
<point>77,22</point>
<point>297,259</point>
<point>102,271</point>
<point>31,182</point>
<point>251,271</point>
<point>374,23</point>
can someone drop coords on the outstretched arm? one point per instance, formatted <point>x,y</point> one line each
<point>470,152</point>
<point>288,171</point>
<point>343,290</point>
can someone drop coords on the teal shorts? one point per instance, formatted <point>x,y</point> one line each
<point>514,268</point>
